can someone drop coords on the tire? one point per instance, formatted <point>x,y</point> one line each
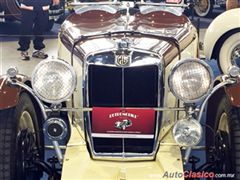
<point>13,124</point>
<point>11,8</point>
<point>204,8</point>
<point>226,139</point>
<point>230,52</point>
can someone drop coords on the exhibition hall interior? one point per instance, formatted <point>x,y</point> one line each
<point>119,89</point>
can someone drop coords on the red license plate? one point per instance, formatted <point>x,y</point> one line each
<point>123,123</point>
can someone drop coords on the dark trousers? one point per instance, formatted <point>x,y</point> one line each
<point>33,23</point>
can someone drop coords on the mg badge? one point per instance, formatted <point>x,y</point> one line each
<point>122,125</point>
<point>122,60</point>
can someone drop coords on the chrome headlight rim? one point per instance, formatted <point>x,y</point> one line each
<point>195,60</point>
<point>74,75</point>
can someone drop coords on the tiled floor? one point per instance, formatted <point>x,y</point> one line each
<point>9,56</point>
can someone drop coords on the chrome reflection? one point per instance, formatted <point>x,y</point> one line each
<point>83,9</point>
<point>235,56</point>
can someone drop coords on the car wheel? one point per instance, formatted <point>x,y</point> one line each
<point>230,52</point>
<point>203,8</point>
<point>21,141</point>
<point>11,7</point>
<point>226,151</point>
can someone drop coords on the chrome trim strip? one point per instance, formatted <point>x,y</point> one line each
<point>58,151</point>
<point>123,87</point>
<point>160,101</point>
<point>125,158</point>
<point>4,79</point>
<point>52,147</point>
<point>86,109</point>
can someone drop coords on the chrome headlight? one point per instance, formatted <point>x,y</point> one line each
<point>187,132</point>
<point>191,80</point>
<point>53,81</point>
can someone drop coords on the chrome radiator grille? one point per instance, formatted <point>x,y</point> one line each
<point>111,86</point>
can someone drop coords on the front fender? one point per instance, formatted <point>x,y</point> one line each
<point>233,93</point>
<point>9,95</point>
<point>221,25</point>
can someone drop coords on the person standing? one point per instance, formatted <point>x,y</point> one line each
<point>231,4</point>
<point>34,22</point>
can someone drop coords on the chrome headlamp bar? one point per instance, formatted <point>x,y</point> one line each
<point>45,109</point>
<point>86,109</point>
<point>217,87</point>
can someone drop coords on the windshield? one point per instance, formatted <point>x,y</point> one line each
<point>173,3</point>
<point>172,6</point>
<point>175,7</point>
<point>152,1</point>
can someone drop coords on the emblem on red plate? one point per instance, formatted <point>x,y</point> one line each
<point>123,124</point>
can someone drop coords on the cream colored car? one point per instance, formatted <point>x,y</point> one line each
<point>123,101</point>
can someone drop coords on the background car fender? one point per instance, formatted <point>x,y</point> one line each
<point>9,95</point>
<point>224,23</point>
<point>233,93</point>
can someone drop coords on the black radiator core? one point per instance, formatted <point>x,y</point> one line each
<point>105,86</point>
<point>118,87</point>
<point>140,87</point>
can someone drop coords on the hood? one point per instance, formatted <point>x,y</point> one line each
<point>102,20</point>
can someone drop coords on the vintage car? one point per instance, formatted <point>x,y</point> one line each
<point>204,8</point>
<point>124,99</point>
<point>222,42</point>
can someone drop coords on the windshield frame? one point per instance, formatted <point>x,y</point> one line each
<point>182,4</point>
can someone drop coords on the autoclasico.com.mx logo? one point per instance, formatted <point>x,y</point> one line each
<point>192,174</point>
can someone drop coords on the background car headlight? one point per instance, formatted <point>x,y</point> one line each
<point>187,132</point>
<point>53,81</point>
<point>191,80</point>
